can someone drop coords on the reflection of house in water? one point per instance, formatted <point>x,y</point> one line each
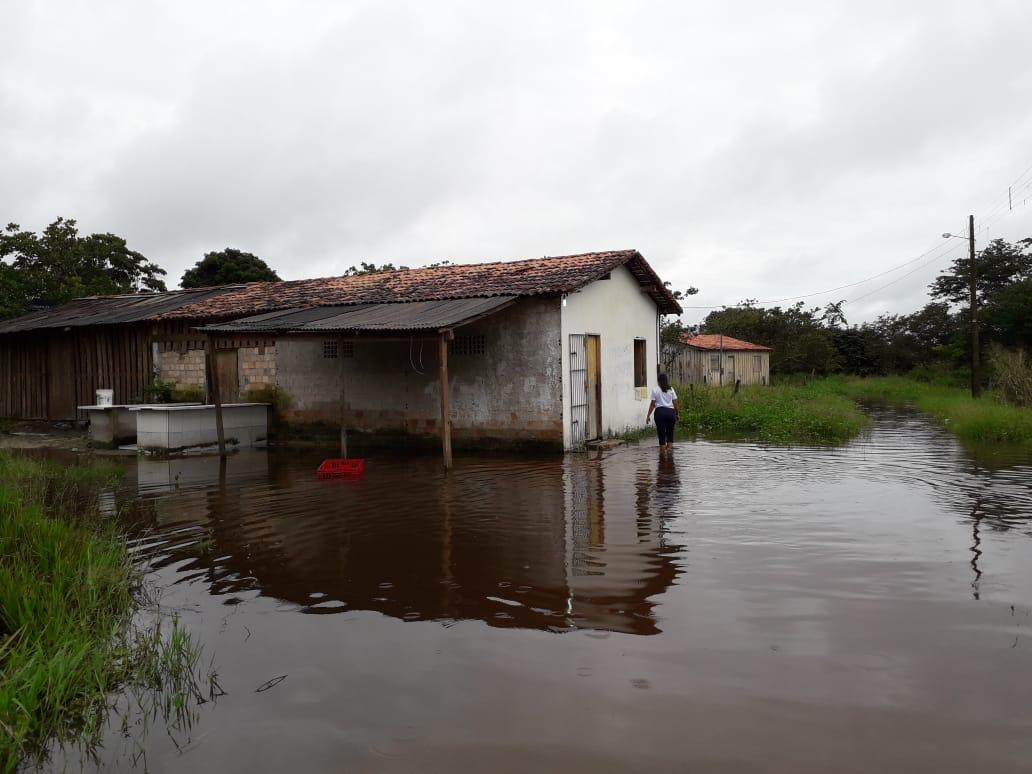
<point>544,544</point>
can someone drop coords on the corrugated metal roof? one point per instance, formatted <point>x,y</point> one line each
<point>408,316</point>
<point>111,310</point>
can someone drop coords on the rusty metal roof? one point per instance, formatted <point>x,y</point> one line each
<point>716,341</point>
<point>538,276</point>
<point>111,310</point>
<point>369,318</point>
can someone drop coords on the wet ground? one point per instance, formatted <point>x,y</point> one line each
<point>733,608</point>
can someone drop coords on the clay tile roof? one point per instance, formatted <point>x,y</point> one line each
<point>713,341</point>
<point>539,276</point>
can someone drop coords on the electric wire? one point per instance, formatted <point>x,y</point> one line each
<point>983,223</point>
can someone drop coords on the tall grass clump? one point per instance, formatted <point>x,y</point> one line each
<point>68,595</point>
<point>989,419</point>
<point>1012,375</point>
<point>803,413</point>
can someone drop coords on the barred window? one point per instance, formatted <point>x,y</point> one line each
<point>332,349</point>
<point>467,345</point>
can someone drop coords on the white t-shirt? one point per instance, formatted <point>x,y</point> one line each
<point>664,399</point>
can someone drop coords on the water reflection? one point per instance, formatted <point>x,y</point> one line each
<point>537,544</point>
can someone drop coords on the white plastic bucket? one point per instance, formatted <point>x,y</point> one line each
<point>105,397</point>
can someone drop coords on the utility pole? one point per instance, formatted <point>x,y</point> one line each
<point>976,367</point>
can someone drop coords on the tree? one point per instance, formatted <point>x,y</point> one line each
<point>798,337</point>
<point>1008,315</point>
<point>227,267</point>
<point>372,268</point>
<point>57,265</point>
<point>999,264</point>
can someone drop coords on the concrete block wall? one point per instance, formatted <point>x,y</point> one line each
<point>257,367</point>
<point>509,392</point>
<point>183,369</point>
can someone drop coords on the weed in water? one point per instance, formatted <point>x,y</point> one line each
<point>69,594</point>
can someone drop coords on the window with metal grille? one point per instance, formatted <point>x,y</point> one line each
<point>467,345</point>
<point>332,349</point>
<point>640,377</point>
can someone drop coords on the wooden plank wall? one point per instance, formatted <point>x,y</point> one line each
<point>114,357</point>
<point>23,369</point>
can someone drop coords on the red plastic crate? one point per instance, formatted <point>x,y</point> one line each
<point>351,468</point>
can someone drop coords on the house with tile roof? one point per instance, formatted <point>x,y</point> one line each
<point>715,359</point>
<point>552,351</point>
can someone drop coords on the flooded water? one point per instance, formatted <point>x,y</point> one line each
<point>734,608</point>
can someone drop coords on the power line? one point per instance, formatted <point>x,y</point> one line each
<point>938,246</point>
<point>990,217</point>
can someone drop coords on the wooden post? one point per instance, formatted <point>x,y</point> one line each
<point>343,402</point>
<point>976,366</point>
<point>442,349</point>
<point>213,385</point>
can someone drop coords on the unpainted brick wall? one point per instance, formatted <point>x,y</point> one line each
<point>257,367</point>
<point>183,369</point>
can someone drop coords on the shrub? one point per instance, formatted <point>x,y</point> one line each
<point>188,393</point>
<point>271,393</point>
<point>1012,374</point>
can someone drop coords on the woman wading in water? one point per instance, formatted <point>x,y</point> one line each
<point>665,404</point>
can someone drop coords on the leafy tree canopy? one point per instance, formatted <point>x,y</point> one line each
<point>227,267</point>
<point>57,265</point>
<point>999,264</point>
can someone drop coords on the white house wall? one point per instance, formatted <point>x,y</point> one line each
<point>618,311</point>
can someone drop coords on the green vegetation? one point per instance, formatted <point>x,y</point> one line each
<point>227,267</point>
<point>68,596</point>
<point>988,419</point>
<point>786,414</point>
<point>59,264</point>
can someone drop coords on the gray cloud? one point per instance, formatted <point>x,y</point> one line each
<point>750,150</point>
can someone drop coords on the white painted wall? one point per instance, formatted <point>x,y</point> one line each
<point>618,311</point>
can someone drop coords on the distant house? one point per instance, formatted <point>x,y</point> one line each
<point>712,358</point>
<point>552,351</point>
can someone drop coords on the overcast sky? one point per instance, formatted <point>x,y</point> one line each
<point>754,150</point>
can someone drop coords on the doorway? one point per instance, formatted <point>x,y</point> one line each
<point>730,369</point>
<point>593,348</point>
<point>227,363</point>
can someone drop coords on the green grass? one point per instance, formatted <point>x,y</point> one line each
<point>68,594</point>
<point>986,420</point>
<point>784,414</point>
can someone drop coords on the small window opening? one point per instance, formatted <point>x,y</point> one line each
<point>467,345</point>
<point>714,362</point>
<point>640,378</point>
<point>332,349</point>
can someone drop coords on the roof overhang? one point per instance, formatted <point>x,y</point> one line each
<point>369,319</point>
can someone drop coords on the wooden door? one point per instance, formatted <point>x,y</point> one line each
<point>730,370</point>
<point>578,391</point>
<point>61,378</point>
<point>594,376</point>
<point>227,364</point>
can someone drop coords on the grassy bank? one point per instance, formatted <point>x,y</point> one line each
<point>987,420</point>
<point>780,414</point>
<point>68,593</point>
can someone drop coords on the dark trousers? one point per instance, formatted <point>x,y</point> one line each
<point>666,418</point>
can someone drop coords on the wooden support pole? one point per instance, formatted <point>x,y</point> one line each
<point>343,402</point>
<point>442,348</point>
<point>216,397</point>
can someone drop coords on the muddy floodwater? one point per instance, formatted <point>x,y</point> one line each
<point>734,608</point>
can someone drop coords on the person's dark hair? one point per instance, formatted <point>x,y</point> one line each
<point>664,383</point>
